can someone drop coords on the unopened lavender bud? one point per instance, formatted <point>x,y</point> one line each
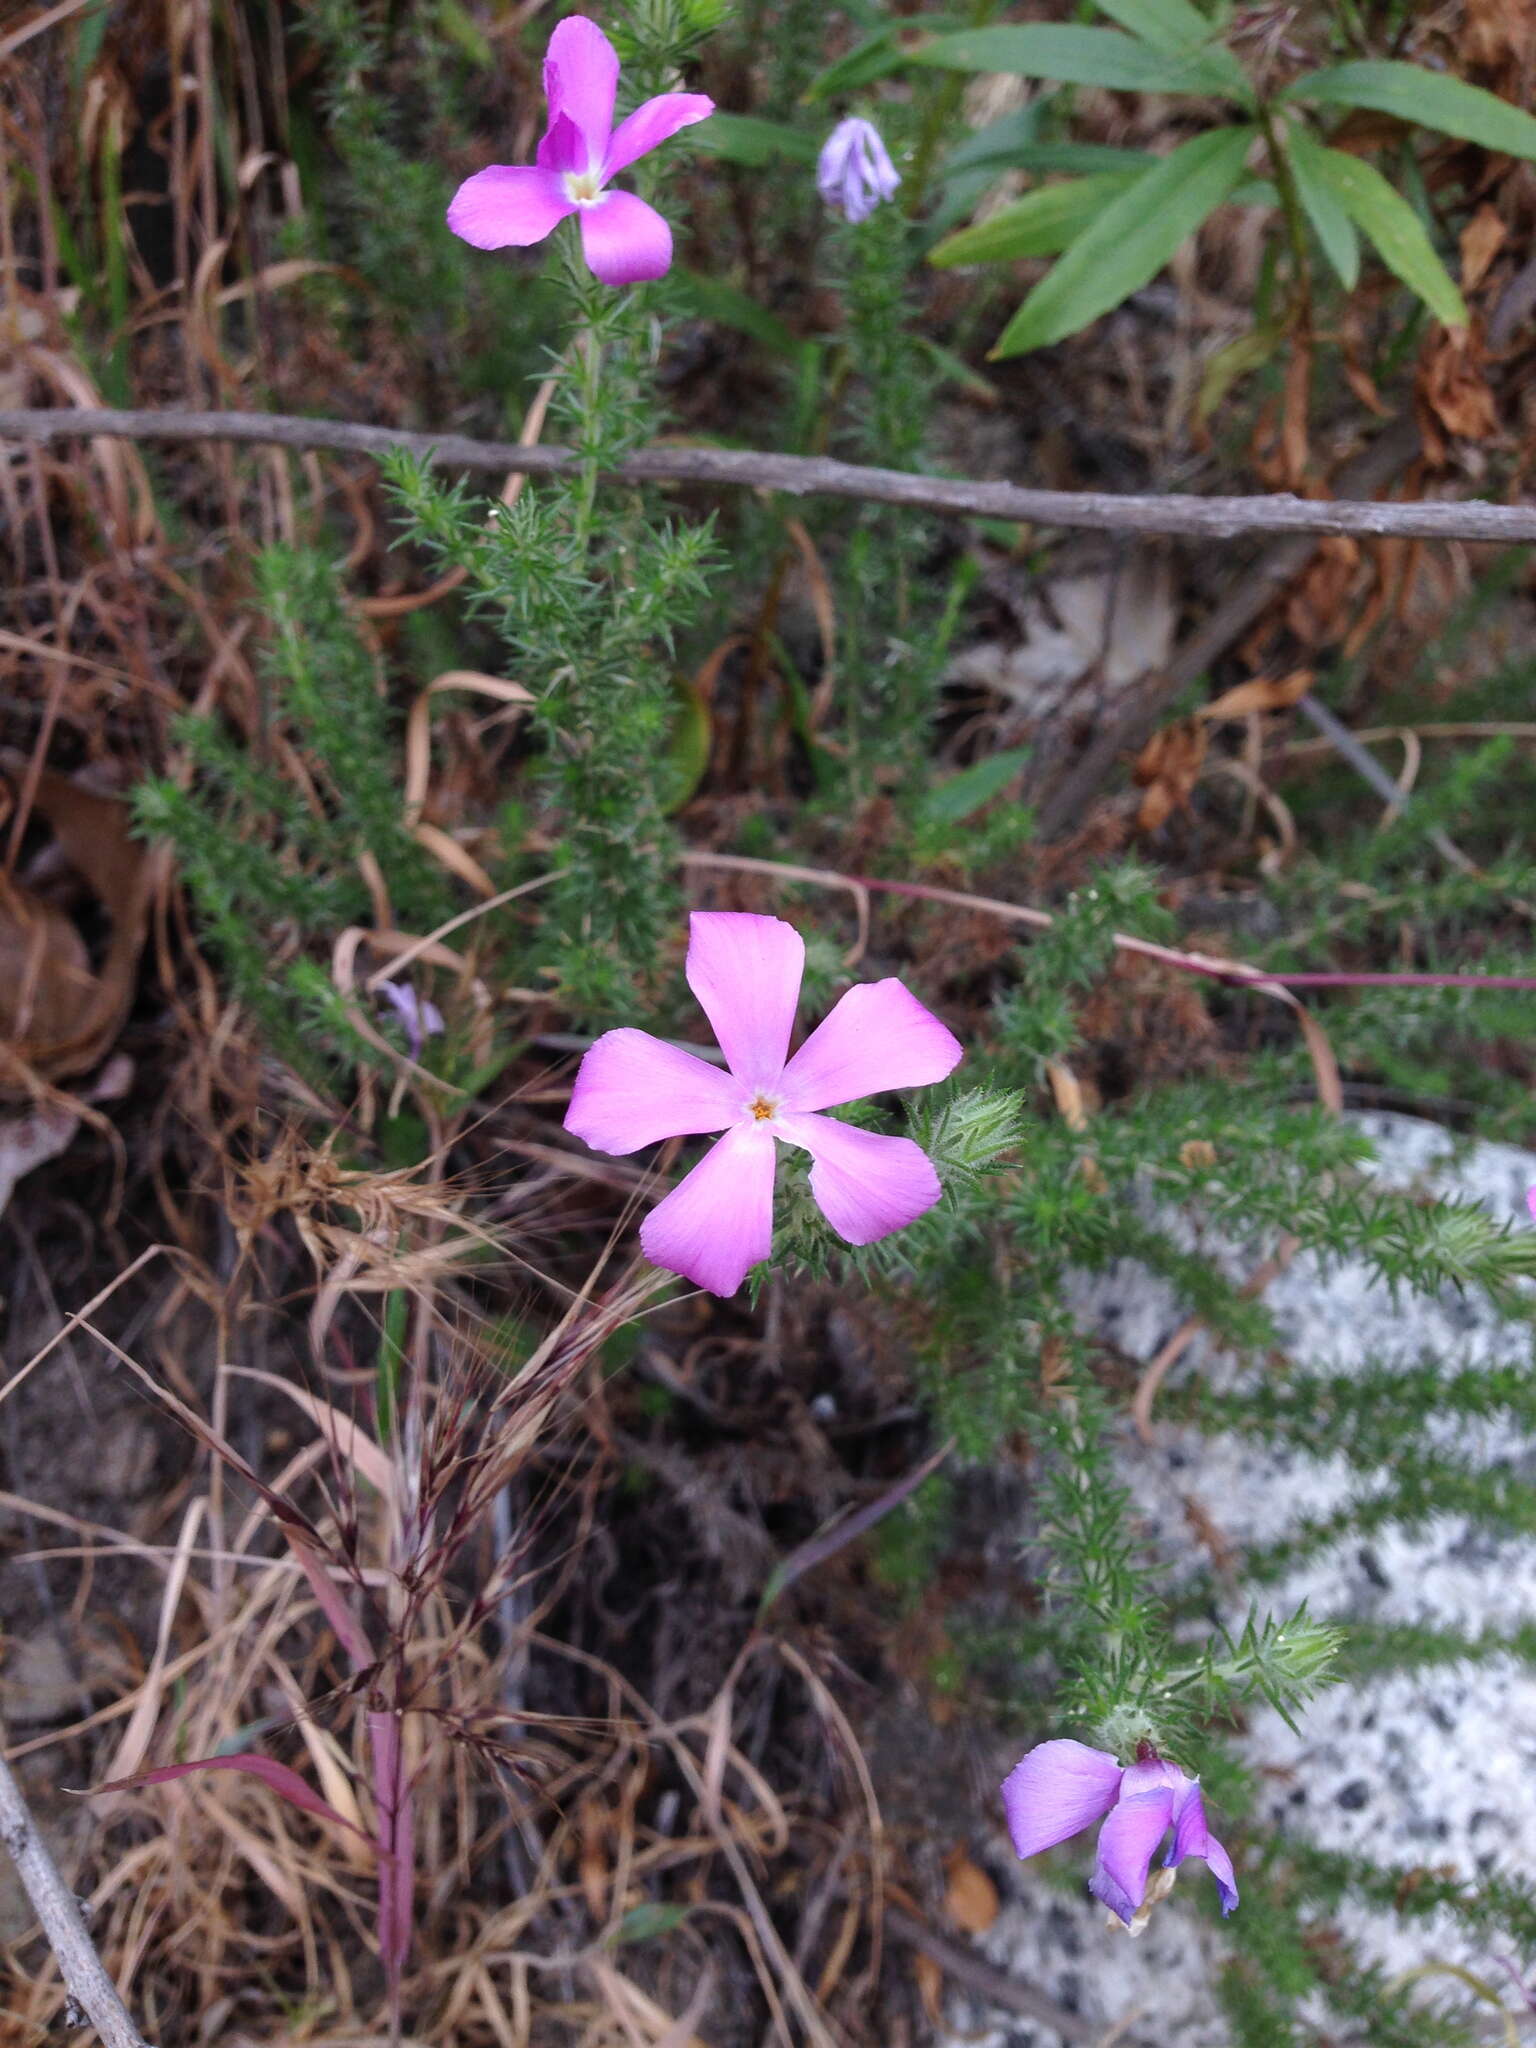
<point>854,172</point>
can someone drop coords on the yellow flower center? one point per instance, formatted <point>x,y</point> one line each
<point>583,188</point>
<point>762,1109</point>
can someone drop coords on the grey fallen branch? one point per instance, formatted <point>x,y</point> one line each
<point>91,1991</point>
<point>806,476</point>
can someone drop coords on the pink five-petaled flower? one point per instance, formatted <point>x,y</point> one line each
<point>1061,1788</point>
<point>633,1089</point>
<point>510,206</point>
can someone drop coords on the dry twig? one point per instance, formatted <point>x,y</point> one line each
<point>1213,518</point>
<point>85,1978</point>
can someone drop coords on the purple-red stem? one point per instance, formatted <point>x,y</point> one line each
<point>1232,971</point>
<point>397,1850</point>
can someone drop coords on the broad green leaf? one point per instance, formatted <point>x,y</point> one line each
<point>1431,99</point>
<point>1042,223</point>
<point>876,57</point>
<point>954,800</point>
<point>1131,240</point>
<point>1166,24</point>
<point>1014,152</point>
<point>1330,223</point>
<point>1176,27</point>
<point>1078,56</point>
<point>1398,233</point>
<point>998,141</point>
<point>711,298</point>
<point>743,139</point>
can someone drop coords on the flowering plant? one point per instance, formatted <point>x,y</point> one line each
<point>854,172</point>
<point>510,206</point>
<point>633,1089</point>
<point>1060,1788</point>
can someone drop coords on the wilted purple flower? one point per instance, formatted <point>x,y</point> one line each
<point>632,1089</point>
<point>509,206</point>
<point>1060,1788</point>
<point>854,172</point>
<point>420,1019</point>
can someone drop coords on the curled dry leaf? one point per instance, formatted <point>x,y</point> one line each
<point>39,1134</point>
<point>1168,768</point>
<point>1260,693</point>
<point>1481,240</point>
<point>970,1896</point>
<point>1455,398</point>
<point>59,1012</point>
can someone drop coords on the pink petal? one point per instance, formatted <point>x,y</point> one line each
<point>746,971</point>
<point>624,240</point>
<point>581,75</point>
<point>865,1185</point>
<point>1192,1837</point>
<point>1058,1789</point>
<point>564,147</point>
<point>1127,1843</point>
<point>653,123</point>
<point>717,1221</point>
<point>632,1089</point>
<point>507,207</point>
<point>878,1036</point>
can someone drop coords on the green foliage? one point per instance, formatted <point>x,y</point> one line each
<point>269,870</point>
<point>601,598</point>
<point>1114,232</point>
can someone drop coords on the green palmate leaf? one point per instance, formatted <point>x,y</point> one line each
<point>1330,222</point>
<point>1177,27</point>
<point>1082,56</point>
<point>1428,98</point>
<point>1042,223</point>
<point>1391,224</point>
<point>1130,240</point>
<point>743,139</point>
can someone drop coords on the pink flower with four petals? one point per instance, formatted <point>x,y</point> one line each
<point>511,206</point>
<point>1060,1788</point>
<point>633,1089</point>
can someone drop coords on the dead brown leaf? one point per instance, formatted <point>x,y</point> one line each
<point>1168,768</point>
<point>930,1985</point>
<point>1261,693</point>
<point>1481,240</point>
<point>1318,610</point>
<point>1453,392</point>
<point>970,1896</point>
<point>1500,35</point>
<point>59,1015</point>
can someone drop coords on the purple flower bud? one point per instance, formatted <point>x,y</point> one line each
<point>421,1020</point>
<point>855,172</point>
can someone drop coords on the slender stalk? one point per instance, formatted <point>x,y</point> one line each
<point>90,1989</point>
<point>1214,518</point>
